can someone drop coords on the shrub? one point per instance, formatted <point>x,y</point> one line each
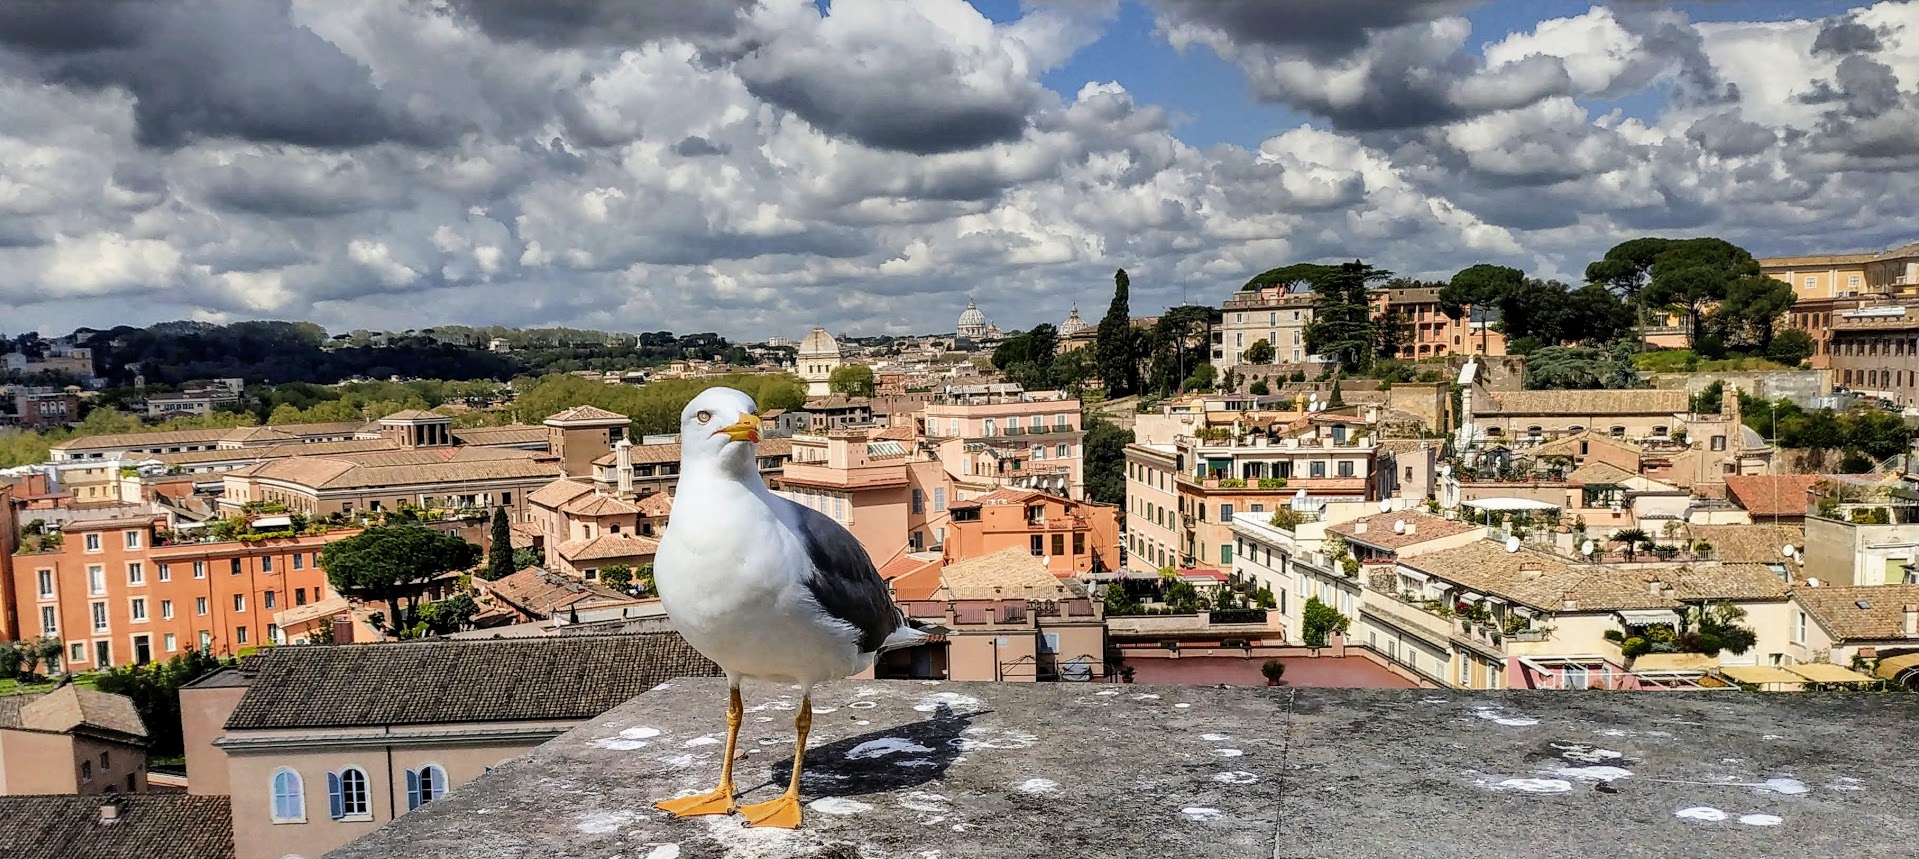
<point>1614,636</point>
<point>1272,669</point>
<point>1635,646</point>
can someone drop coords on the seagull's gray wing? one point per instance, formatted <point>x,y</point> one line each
<point>844,581</point>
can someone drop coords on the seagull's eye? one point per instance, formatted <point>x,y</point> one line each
<point>703,416</point>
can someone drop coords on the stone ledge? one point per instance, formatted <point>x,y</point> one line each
<point>907,769</point>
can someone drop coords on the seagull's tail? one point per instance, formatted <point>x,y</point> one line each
<point>905,636</point>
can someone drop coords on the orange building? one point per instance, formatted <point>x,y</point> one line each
<point>1433,333</point>
<point>123,591</point>
<point>1070,537</point>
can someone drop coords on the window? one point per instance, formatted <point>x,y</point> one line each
<point>1226,554</point>
<point>347,795</point>
<point>506,498</point>
<point>1038,544</point>
<point>106,763</point>
<point>266,563</point>
<point>939,499</point>
<point>239,602</point>
<point>199,569</point>
<point>139,608</point>
<point>206,640</point>
<point>136,573</point>
<point>96,580</point>
<point>299,596</point>
<point>200,605</point>
<point>273,633</point>
<point>1079,544</point>
<point>1799,627</point>
<point>268,599</point>
<point>1049,642</point>
<point>1345,468</point>
<point>424,785</point>
<point>172,643</point>
<point>299,561</point>
<point>46,584</point>
<point>93,542</point>
<point>1064,451</point>
<point>239,635</point>
<point>1225,512</point>
<point>1719,442</point>
<point>133,539</point>
<point>166,573</point>
<point>86,771</point>
<point>103,653</point>
<point>919,500</point>
<point>99,617</point>
<point>289,799</point>
<point>236,566</point>
<point>1059,544</point>
<point>1318,468</point>
<point>49,623</point>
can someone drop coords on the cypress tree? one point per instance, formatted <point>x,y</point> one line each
<point>1115,346</point>
<point>499,559</point>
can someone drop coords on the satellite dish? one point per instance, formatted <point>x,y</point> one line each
<point>1786,550</point>
<point>1301,495</point>
<point>1385,505</point>
<point>1399,527</point>
<point>1587,548</point>
<point>1512,544</point>
<point>1445,470</point>
<point>1812,583</point>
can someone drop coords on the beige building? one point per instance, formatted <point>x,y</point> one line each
<point>1875,351</point>
<point>993,437</point>
<point>1271,314</point>
<point>327,743</point>
<point>71,741</point>
<point>1839,624</point>
<point>819,355</point>
<point>1002,617</point>
<point>135,445</point>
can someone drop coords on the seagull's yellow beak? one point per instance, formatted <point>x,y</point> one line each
<point>748,429</point>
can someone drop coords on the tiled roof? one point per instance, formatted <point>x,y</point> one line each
<point>586,413</point>
<point>1487,567</point>
<point>896,434</point>
<point>1569,445</point>
<point>71,708</point>
<point>142,439</point>
<point>598,505</point>
<point>1599,472</point>
<point>656,506</point>
<point>1724,581</point>
<point>1007,496</point>
<point>1771,494</point>
<point>1839,612</point>
<point>481,680</point>
<point>1009,574</point>
<point>245,434</point>
<point>414,415</point>
<point>1759,543</point>
<point>1404,445</point>
<point>509,434</point>
<point>1380,532</point>
<point>543,594</point>
<point>559,492</point>
<point>1657,401</point>
<point>151,826</point>
<point>607,547</point>
<point>330,473</point>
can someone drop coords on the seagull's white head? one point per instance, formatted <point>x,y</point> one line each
<point>719,427</point>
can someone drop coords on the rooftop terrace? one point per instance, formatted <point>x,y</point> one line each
<point>908,769</point>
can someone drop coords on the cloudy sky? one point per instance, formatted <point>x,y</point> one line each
<point>759,167</point>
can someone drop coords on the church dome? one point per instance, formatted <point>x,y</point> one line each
<point>818,342</point>
<point>1073,324</point>
<point>972,316</point>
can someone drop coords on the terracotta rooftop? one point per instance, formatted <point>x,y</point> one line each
<point>150,826</point>
<point>1760,543</point>
<point>509,434</point>
<point>1488,568</point>
<point>197,436</point>
<point>1598,473</point>
<point>1380,532</point>
<point>414,415</point>
<point>598,505</point>
<point>1009,574</point>
<point>607,547</point>
<point>331,473</point>
<point>559,492</point>
<point>1869,613</point>
<point>586,413</point>
<point>71,709</point>
<point>1655,401</point>
<point>1771,494</point>
<point>545,594</point>
<point>656,506</point>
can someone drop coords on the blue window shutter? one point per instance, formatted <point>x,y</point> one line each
<point>412,789</point>
<point>335,801</point>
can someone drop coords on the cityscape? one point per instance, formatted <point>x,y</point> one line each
<point>1610,517</point>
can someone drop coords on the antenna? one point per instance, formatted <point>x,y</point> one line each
<point>1512,544</point>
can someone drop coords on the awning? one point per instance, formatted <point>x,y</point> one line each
<point>1891,666</point>
<point>1761,675</point>
<point>1470,596</point>
<point>1826,672</point>
<point>273,522</point>
<point>1508,504</point>
<point>1650,617</point>
<point>1674,662</point>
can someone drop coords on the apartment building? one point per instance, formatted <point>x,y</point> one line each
<point>1274,314</point>
<point>1000,617</point>
<point>584,530</point>
<point>128,590</point>
<point>1434,334</point>
<point>884,486</point>
<point>1071,538</point>
<point>71,741</point>
<point>1641,415</point>
<point>309,768</point>
<point>1892,272</point>
<point>1874,351</point>
<point>43,408</point>
<point>994,436</point>
<point>1838,624</point>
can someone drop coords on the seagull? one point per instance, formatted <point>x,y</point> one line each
<point>764,587</point>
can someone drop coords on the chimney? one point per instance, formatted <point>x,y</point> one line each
<point>1529,570</point>
<point>342,629</point>
<point>1411,529</point>
<point>1912,620</point>
<point>623,466</point>
<point>1569,604</point>
<point>110,808</point>
<point>1359,526</point>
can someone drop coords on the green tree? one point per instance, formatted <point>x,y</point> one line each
<point>1116,346</point>
<point>1392,331</point>
<point>1178,345</point>
<point>1204,378</point>
<point>446,616</point>
<point>1342,325</point>
<point>1261,352</point>
<point>853,380</point>
<point>1335,399</point>
<point>1480,286</point>
<point>1714,627</point>
<point>1120,601</point>
<point>527,556</point>
<point>499,558</point>
<point>1183,598</point>
<point>1104,450</point>
<point>617,575</point>
<point>1260,389</point>
<point>154,689</point>
<point>1551,314</point>
<point>1582,368</point>
<point>1710,399</point>
<point>1790,347</point>
<point>393,564</point>
<point>1626,270</point>
<point>1631,541</point>
<point>1748,315</point>
<point>1295,277</point>
<point>1318,621</point>
<point>1694,273</point>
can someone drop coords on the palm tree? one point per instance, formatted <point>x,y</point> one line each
<point>1633,538</point>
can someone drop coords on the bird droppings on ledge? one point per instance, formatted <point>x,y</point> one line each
<point>1017,770</point>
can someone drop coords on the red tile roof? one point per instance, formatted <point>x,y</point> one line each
<point>1771,494</point>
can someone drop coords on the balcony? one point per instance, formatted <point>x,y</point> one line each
<point>1235,773</point>
<point>1236,623</point>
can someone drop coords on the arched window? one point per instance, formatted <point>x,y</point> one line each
<point>424,785</point>
<point>347,794</point>
<point>289,797</point>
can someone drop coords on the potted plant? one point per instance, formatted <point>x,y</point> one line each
<point>1126,674</point>
<point>1273,670</point>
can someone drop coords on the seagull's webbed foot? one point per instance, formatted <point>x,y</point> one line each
<point>716,801</point>
<point>780,813</point>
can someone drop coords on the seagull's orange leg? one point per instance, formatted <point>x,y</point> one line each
<point>784,811</point>
<point>720,799</point>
